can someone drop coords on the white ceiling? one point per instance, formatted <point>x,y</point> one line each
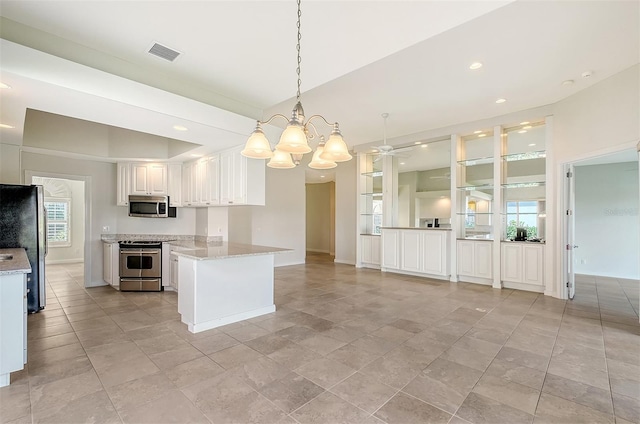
<point>359,59</point>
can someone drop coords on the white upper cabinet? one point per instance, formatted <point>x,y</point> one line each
<point>123,184</point>
<point>242,180</point>
<point>175,184</point>
<point>149,179</point>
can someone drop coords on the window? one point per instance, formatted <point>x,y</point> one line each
<point>58,222</point>
<point>522,214</point>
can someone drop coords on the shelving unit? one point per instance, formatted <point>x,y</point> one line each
<point>523,181</point>
<point>371,195</point>
<point>475,186</point>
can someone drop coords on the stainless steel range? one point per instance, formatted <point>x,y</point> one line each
<point>140,265</point>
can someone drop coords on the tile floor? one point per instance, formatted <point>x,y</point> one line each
<point>345,346</point>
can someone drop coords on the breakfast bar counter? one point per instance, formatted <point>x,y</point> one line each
<point>222,283</point>
<point>14,267</point>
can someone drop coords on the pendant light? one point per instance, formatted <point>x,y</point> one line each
<point>317,162</point>
<point>281,160</point>
<point>295,138</point>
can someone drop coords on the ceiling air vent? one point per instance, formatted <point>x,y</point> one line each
<point>164,52</point>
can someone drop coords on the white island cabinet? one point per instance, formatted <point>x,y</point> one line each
<point>14,267</point>
<point>475,260</point>
<point>416,251</point>
<point>222,283</point>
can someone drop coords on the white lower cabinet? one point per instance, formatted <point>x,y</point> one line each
<point>370,250</point>
<point>416,252</point>
<point>475,261</point>
<point>390,249</point>
<point>13,325</point>
<point>111,263</point>
<point>173,281</point>
<point>522,266</point>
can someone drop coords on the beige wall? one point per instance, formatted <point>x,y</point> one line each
<point>320,214</point>
<point>281,222</point>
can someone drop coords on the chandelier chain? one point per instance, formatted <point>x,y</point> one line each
<point>298,49</point>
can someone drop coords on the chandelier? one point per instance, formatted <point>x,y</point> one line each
<point>294,140</point>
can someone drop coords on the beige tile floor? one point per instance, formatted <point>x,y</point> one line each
<point>345,346</point>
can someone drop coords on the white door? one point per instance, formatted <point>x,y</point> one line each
<point>570,230</point>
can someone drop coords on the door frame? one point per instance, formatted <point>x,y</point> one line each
<point>561,291</point>
<point>28,174</point>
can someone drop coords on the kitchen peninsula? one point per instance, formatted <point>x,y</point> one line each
<point>14,267</point>
<point>222,283</point>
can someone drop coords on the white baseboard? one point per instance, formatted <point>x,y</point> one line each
<point>341,261</point>
<point>289,264</point>
<point>64,261</point>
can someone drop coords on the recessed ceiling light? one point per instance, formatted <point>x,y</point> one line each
<point>525,123</point>
<point>475,65</point>
<point>374,151</point>
<point>424,146</point>
<point>482,135</point>
<point>568,82</point>
<point>532,144</point>
<point>321,176</point>
<point>401,163</point>
<point>3,85</point>
<point>522,131</point>
<point>6,126</point>
<point>477,132</point>
<point>526,127</point>
<point>180,128</point>
<point>587,74</point>
<point>501,101</point>
<point>418,142</point>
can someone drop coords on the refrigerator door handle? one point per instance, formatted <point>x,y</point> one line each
<point>46,231</point>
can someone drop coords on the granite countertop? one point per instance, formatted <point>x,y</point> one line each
<point>19,264</point>
<point>220,250</point>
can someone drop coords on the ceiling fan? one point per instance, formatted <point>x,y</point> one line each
<point>385,149</point>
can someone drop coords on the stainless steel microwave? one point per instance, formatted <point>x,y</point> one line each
<point>151,207</point>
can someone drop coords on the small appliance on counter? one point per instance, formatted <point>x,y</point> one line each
<point>521,234</point>
<point>23,224</point>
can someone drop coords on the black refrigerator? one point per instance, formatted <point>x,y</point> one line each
<point>23,224</point>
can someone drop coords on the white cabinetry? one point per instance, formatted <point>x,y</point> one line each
<point>123,184</point>
<point>242,180</point>
<point>173,280</point>
<point>201,182</point>
<point>149,179</point>
<point>475,261</point>
<point>523,266</point>
<point>370,254</point>
<point>174,189</point>
<point>416,252</point>
<point>110,263</point>
<point>13,325</point>
<point>390,249</point>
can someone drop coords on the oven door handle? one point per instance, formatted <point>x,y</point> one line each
<point>140,251</point>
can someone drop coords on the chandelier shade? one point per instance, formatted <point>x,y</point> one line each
<point>317,162</point>
<point>293,139</point>
<point>336,149</point>
<point>257,146</point>
<point>281,160</point>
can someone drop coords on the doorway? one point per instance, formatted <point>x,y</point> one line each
<point>606,242</point>
<point>67,203</point>
<point>320,217</point>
